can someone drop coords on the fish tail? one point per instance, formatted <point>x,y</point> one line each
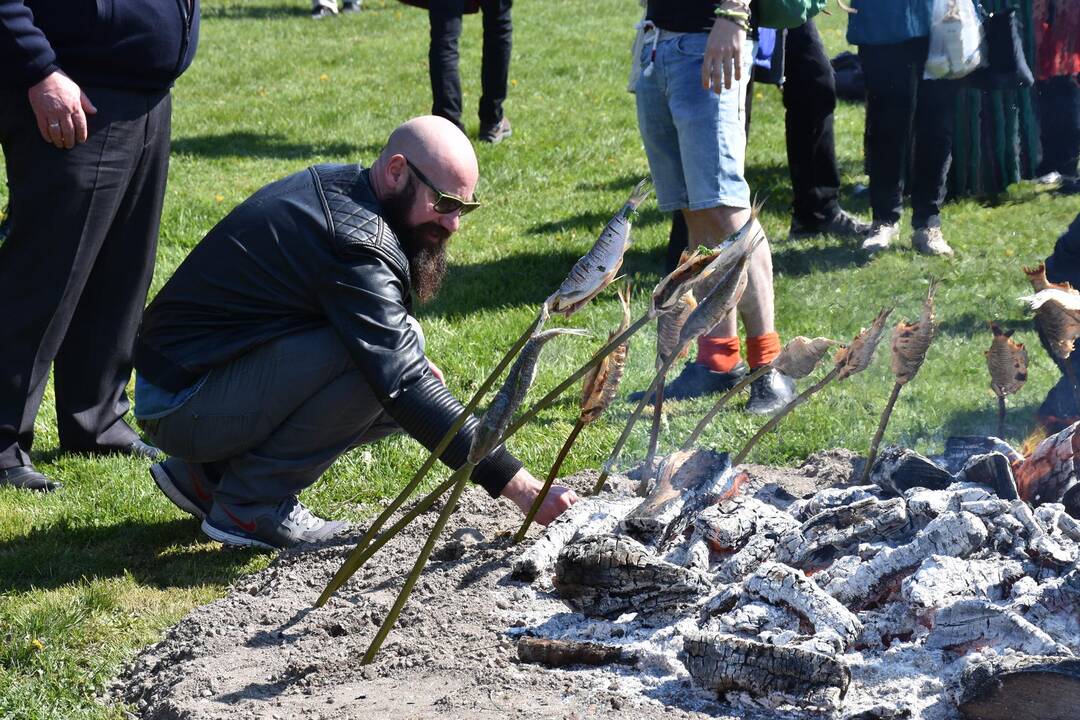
<point>641,191</point>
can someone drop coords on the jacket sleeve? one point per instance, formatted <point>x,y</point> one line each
<point>23,44</point>
<point>364,301</point>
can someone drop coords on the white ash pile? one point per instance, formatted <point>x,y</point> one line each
<point>858,601</point>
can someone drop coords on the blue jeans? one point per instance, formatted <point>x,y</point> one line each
<point>695,139</point>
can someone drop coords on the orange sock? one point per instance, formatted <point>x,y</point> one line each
<point>719,354</point>
<point>762,349</point>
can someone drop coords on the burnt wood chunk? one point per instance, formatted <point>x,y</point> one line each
<point>898,470</point>
<point>722,663</point>
<point>590,516</point>
<point>783,585</point>
<point>561,653</point>
<point>956,534</point>
<point>687,482</point>
<point>993,469</point>
<point>958,450</point>
<point>840,529</point>
<point>608,575</point>
<point>970,624</point>
<point>1015,687</point>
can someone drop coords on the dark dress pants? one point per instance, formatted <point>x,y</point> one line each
<point>1059,124</point>
<point>898,101</point>
<point>76,267</point>
<point>273,420</point>
<point>809,94</point>
<point>445,18</point>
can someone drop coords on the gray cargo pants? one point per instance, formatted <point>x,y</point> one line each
<point>275,419</point>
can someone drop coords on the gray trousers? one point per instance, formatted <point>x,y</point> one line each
<point>276,418</point>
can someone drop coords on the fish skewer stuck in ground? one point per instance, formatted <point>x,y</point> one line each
<point>722,298</point>
<point>1057,320</point>
<point>584,281</point>
<point>1007,362</point>
<point>851,359</point>
<point>797,359</point>
<point>487,437</point>
<point>910,341</point>
<point>597,393</point>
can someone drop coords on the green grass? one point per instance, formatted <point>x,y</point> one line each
<point>90,574</point>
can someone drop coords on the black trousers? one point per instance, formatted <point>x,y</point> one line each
<point>809,94</point>
<point>76,267</point>
<point>1059,124</point>
<point>445,19</point>
<point>903,113</point>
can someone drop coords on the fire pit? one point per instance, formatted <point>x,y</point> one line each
<point>760,594</point>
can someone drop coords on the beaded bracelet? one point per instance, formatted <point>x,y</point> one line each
<point>741,19</point>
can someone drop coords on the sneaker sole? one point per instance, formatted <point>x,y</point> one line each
<point>164,482</point>
<point>228,538</point>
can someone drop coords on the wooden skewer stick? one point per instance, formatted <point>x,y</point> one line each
<point>362,556</point>
<point>552,474</point>
<point>352,562</point>
<point>885,415</point>
<point>775,419</point>
<point>657,380</point>
<point>704,422</point>
<point>577,375</point>
<point>461,478</point>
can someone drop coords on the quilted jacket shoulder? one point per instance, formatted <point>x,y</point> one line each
<point>352,212</point>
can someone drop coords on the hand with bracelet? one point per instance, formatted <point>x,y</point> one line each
<point>723,51</point>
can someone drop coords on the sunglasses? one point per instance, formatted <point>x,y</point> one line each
<point>445,203</point>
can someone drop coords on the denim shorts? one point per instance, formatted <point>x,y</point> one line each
<point>695,139</point>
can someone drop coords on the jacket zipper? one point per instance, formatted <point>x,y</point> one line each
<point>186,14</point>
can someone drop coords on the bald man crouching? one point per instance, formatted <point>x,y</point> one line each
<point>286,338</point>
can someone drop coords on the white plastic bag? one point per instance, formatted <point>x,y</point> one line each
<point>957,43</point>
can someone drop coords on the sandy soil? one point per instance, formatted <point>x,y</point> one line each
<point>263,652</point>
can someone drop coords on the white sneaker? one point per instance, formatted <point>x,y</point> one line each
<point>930,241</point>
<point>881,234</point>
<point>323,8</point>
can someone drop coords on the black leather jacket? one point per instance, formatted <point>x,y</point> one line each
<point>305,252</point>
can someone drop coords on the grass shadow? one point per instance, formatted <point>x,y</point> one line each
<point>241,144</point>
<point>253,12</point>
<point>522,279</point>
<point>596,221</point>
<point>158,554</point>
<point>983,420</point>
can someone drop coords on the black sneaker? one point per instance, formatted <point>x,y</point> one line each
<point>843,225</point>
<point>350,7</point>
<point>186,485</point>
<point>770,392</point>
<point>268,526</point>
<point>496,133</point>
<point>696,380</point>
<point>26,477</point>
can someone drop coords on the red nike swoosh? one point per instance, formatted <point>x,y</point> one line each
<point>248,526</point>
<point>200,491</point>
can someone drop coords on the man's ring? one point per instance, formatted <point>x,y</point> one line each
<point>54,124</point>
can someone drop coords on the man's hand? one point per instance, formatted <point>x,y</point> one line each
<point>523,489</point>
<point>60,108</point>
<point>723,56</point>
<point>436,372</point>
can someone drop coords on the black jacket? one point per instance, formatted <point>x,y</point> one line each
<point>121,44</point>
<point>305,252</point>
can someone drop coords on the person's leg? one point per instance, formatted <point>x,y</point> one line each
<point>445,19</point>
<point>93,364</point>
<point>495,65</point>
<point>1059,124</point>
<point>809,95</point>
<point>933,156</point>
<point>678,242</point>
<point>62,204</point>
<point>890,94</point>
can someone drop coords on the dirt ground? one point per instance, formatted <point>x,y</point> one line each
<point>263,653</point>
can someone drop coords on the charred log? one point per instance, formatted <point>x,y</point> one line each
<point>1021,688</point>
<point>970,624</point>
<point>783,585</point>
<point>608,575</point>
<point>561,653</point>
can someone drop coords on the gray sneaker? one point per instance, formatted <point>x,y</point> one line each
<point>843,224</point>
<point>770,392</point>
<point>185,484</point>
<point>268,526</point>
<point>930,241</point>
<point>881,234</point>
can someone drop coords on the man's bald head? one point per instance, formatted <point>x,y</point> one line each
<point>439,149</point>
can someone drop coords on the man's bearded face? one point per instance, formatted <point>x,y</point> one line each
<point>424,243</point>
